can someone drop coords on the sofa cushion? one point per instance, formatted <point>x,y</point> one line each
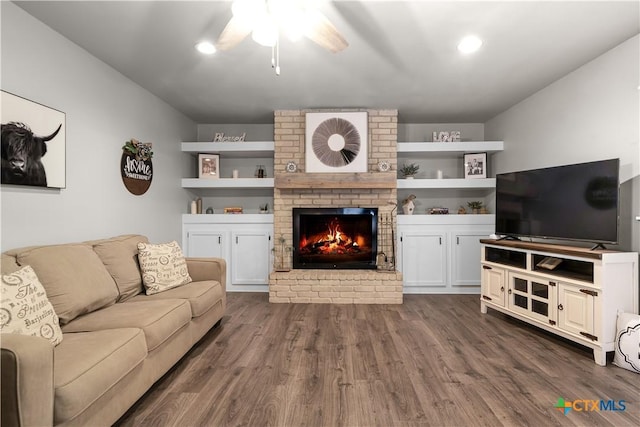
<point>25,309</point>
<point>86,365</point>
<point>163,266</point>
<point>75,279</point>
<point>201,295</point>
<point>9,264</point>
<point>158,319</point>
<point>120,257</point>
<point>627,343</point>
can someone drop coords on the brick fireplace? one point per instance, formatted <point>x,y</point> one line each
<point>299,189</point>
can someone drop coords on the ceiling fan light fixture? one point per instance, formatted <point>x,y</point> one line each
<point>469,44</point>
<point>206,48</point>
<point>289,16</point>
<point>265,32</point>
<point>248,11</point>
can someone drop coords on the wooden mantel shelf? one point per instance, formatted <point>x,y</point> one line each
<point>337,180</point>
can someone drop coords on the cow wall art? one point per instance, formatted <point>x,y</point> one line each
<point>33,143</point>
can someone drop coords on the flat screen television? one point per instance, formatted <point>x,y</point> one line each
<point>571,202</point>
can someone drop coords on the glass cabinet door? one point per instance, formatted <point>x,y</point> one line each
<point>532,297</point>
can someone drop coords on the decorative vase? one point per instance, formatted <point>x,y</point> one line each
<point>408,177</point>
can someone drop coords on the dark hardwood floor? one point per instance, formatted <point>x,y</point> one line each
<point>433,361</point>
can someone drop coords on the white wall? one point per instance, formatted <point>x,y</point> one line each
<point>103,110</point>
<point>591,114</point>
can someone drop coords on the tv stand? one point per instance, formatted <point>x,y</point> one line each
<point>572,292</point>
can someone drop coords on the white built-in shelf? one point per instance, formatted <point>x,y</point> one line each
<point>237,183</point>
<point>437,149</point>
<point>231,149</point>
<point>245,218</point>
<point>451,219</point>
<point>452,183</point>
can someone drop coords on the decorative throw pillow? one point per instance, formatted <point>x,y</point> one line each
<point>627,353</point>
<point>163,266</point>
<point>25,309</point>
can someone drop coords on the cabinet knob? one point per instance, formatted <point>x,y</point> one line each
<point>509,291</point>
<point>501,288</point>
<point>560,307</point>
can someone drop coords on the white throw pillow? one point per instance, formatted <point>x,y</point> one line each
<point>627,353</point>
<point>25,308</point>
<point>163,266</point>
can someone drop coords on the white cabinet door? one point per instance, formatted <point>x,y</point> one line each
<point>206,243</point>
<point>465,260</point>
<point>250,257</point>
<point>575,310</point>
<point>493,284</point>
<point>424,259</point>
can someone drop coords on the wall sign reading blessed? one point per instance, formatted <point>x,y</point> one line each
<point>221,138</point>
<point>136,167</point>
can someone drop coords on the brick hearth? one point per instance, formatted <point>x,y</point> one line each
<point>374,189</point>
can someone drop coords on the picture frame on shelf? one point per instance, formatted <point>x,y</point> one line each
<point>208,166</point>
<point>475,165</point>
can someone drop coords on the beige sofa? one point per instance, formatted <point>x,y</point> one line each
<point>117,341</point>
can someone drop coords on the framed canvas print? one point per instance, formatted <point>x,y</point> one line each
<point>208,166</point>
<point>33,143</point>
<point>336,142</point>
<point>475,165</point>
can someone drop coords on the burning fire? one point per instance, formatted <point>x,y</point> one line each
<point>333,241</point>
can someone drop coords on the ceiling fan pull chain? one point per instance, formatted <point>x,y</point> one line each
<point>273,56</point>
<point>278,56</point>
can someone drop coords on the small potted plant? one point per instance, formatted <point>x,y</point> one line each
<point>475,206</point>
<point>408,171</point>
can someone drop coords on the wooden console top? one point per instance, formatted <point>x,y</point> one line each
<point>548,247</point>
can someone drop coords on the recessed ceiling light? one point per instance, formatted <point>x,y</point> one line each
<point>469,44</point>
<point>206,47</point>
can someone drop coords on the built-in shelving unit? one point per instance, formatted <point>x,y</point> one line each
<point>453,189</point>
<point>444,259</point>
<point>452,183</point>
<point>231,149</point>
<point>234,183</point>
<point>447,149</point>
<point>238,155</point>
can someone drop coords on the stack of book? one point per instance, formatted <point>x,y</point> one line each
<point>233,210</point>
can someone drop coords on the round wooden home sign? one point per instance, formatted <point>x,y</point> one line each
<point>136,167</point>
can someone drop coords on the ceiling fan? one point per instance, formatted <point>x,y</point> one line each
<point>267,20</point>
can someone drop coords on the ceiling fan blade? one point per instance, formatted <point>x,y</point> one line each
<point>323,32</point>
<point>234,32</point>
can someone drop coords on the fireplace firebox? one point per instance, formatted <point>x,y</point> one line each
<point>335,238</point>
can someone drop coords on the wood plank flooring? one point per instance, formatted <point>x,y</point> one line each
<point>433,361</point>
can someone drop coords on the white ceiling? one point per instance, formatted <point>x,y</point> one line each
<point>402,54</point>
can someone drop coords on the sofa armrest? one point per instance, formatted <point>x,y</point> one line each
<point>27,389</point>
<point>208,269</point>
